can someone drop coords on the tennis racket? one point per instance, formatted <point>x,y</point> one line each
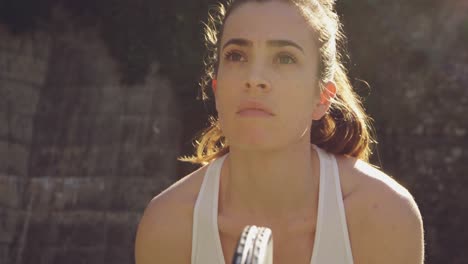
<point>255,246</point>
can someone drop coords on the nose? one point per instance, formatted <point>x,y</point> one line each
<point>257,84</point>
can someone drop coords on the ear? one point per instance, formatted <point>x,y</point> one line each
<point>325,101</point>
<point>214,85</point>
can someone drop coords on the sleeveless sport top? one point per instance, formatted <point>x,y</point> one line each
<point>331,244</point>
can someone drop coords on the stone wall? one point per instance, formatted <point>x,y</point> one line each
<point>81,153</point>
<point>415,58</point>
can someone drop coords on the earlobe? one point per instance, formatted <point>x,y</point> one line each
<point>319,112</point>
<point>327,95</point>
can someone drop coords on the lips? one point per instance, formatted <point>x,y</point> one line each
<point>254,108</point>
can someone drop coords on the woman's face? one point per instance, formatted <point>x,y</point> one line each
<point>268,59</point>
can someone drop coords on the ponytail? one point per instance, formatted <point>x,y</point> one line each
<point>345,129</point>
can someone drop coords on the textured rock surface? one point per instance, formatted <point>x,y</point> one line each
<point>81,153</point>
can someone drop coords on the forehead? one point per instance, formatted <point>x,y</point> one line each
<point>269,20</point>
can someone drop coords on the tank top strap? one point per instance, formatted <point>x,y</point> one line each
<point>332,244</point>
<point>205,223</point>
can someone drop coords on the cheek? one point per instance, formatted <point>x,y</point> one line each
<point>226,105</point>
<point>226,100</point>
<point>299,99</point>
<point>229,72</point>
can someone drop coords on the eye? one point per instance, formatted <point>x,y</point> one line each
<point>285,59</point>
<point>234,56</point>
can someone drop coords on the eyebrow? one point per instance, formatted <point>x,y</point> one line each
<point>271,43</point>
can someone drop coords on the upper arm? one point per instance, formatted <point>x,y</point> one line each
<point>161,236</point>
<point>396,233</point>
<point>388,226</point>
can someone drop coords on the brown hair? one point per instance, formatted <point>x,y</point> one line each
<point>344,130</point>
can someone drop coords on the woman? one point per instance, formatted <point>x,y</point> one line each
<point>288,152</point>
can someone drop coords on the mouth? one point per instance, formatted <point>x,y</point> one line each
<point>252,112</point>
<point>252,108</point>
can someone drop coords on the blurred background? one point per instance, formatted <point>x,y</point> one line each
<point>98,99</point>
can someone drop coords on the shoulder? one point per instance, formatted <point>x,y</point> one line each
<point>384,221</point>
<point>166,224</point>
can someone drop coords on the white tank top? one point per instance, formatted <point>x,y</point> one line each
<point>331,243</point>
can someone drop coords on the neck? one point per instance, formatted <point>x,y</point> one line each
<point>270,184</point>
